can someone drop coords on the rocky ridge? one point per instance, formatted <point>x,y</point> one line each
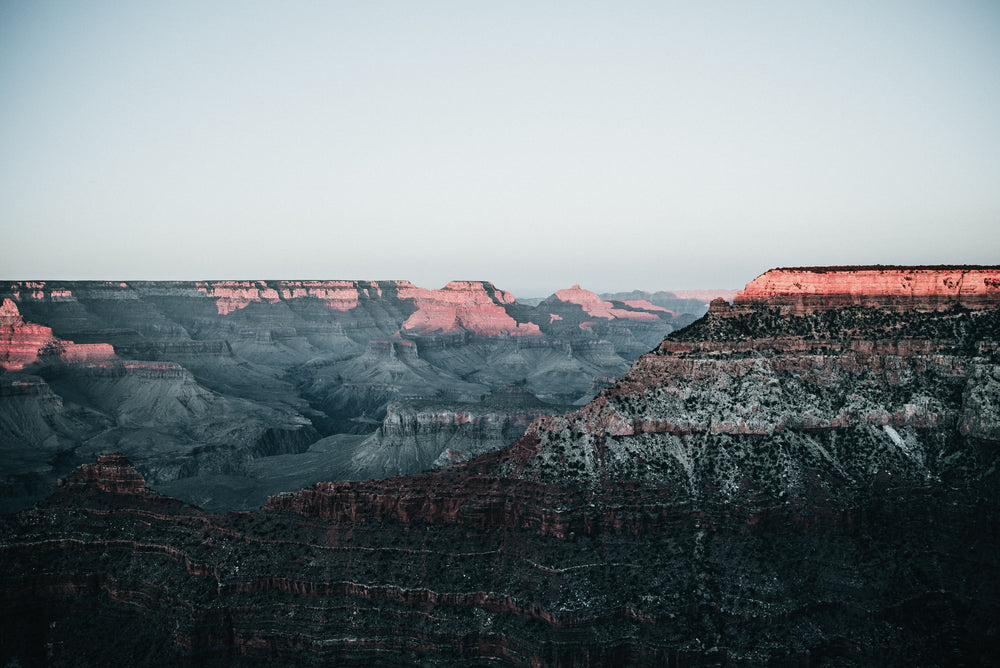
<point>767,487</point>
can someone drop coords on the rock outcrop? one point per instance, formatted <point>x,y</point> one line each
<point>810,288</point>
<point>594,306</point>
<point>766,487</point>
<point>24,343</point>
<point>418,434</point>
<point>110,473</point>
<point>464,306</point>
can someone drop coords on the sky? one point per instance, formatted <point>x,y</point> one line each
<point>618,145</point>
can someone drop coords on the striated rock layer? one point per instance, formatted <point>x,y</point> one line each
<point>24,343</point>
<point>201,379</point>
<point>767,487</point>
<point>810,288</point>
<point>418,435</point>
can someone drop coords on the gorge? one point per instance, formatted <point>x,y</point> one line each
<point>223,392</point>
<point>806,476</point>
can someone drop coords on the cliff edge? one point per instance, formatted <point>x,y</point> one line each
<point>805,289</point>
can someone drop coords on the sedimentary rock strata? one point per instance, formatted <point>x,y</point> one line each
<point>766,487</point>
<point>809,288</point>
<point>200,379</point>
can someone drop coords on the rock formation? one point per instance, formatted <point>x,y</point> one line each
<point>418,434</point>
<point>693,302</point>
<point>470,306</point>
<point>196,381</point>
<point>23,343</point>
<point>810,288</point>
<point>593,305</point>
<point>771,485</point>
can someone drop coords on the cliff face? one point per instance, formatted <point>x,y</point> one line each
<point>764,488</point>
<point>417,434</point>
<point>24,343</point>
<point>201,379</point>
<point>921,288</point>
<point>471,306</point>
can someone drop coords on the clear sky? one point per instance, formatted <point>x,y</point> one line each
<point>618,145</point>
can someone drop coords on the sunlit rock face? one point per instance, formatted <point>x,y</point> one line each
<point>766,487</point>
<point>920,288</point>
<point>24,343</point>
<point>338,295</point>
<point>595,306</point>
<point>464,306</point>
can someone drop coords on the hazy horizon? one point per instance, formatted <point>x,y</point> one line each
<point>638,145</point>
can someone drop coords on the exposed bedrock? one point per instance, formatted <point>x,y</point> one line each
<point>768,487</point>
<point>418,434</point>
<point>922,288</point>
<point>262,340</point>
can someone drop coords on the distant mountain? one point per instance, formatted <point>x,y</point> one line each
<point>679,301</point>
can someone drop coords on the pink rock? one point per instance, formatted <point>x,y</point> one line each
<point>810,288</point>
<point>9,313</point>
<point>21,343</point>
<point>649,306</point>
<point>234,295</point>
<point>86,352</point>
<point>471,306</point>
<point>39,291</point>
<point>594,306</point>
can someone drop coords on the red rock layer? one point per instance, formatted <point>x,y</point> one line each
<point>597,307</point>
<point>461,306</point>
<point>22,343</point>
<point>472,306</point>
<point>645,304</point>
<point>39,291</point>
<point>821,288</point>
<point>234,295</point>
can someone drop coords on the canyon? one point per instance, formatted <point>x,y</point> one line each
<point>806,476</point>
<point>225,392</point>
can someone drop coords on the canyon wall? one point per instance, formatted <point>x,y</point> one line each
<point>770,486</point>
<point>201,379</point>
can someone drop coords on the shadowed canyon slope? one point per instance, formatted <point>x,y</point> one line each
<point>779,483</point>
<point>222,392</point>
